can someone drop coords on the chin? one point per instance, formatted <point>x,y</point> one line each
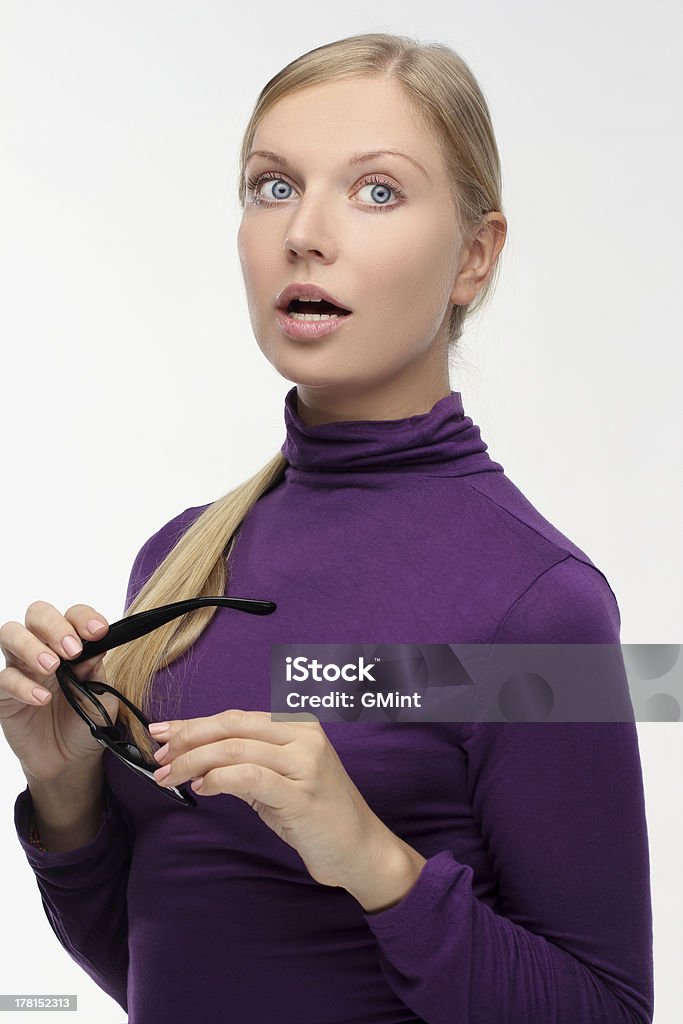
<point>301,365</point>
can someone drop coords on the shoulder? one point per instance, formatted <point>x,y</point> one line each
<point>535,584</point>
<point>504,500</point>
<point>558,593</point>
<point>561,657</point>
<point>569,602</point>
<point>162,542</point>
<point>157,547</point>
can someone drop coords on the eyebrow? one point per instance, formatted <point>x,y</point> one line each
<point>357,158</point>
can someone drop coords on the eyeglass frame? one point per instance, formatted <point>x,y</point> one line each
<point>122,632</point>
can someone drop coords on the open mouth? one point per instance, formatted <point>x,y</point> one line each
<point>322,310</point>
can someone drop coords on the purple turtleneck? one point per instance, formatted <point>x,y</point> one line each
<point>534,901</point>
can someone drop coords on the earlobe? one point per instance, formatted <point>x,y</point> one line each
<point>465,291</point>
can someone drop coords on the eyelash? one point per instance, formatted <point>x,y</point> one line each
<point>374,179</point>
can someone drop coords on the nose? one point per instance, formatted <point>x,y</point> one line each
<point>308,232</point>
<point>299,247</point>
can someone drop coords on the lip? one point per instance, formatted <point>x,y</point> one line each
<point>305,330</point>
<point>308,330</point>
<point>306,291</point>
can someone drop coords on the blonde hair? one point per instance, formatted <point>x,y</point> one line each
<point>443,93</point>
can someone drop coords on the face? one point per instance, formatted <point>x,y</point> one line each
<point>380,236</point>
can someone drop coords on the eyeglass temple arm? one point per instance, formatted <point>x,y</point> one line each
<point>135,626</point>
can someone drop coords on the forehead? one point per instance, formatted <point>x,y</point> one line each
<point>349,116</point>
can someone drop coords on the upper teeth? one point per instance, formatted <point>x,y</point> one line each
<point>302,299</point>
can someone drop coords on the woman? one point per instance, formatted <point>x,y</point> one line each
<point>394,872</point>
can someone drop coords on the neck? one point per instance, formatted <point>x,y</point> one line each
<point>397,400</point>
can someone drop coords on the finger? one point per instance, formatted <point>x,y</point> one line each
<point>16,687</point>
<point>24,650</point>
<point>63,632</point>
<point>230,751</point>
<point>249,782</point>
<point>185,734</point>
<point>162,730</point>
<point>90,623</point>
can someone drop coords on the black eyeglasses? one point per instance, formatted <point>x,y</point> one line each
<point>122,632</point>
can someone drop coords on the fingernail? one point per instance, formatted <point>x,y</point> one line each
<point>161,773</point>
<point>72,646</point>
<point>94,626</point>
<point>161,752</point>
<point>40,695</point>
<point>158,727</point>
<point>48,661</point>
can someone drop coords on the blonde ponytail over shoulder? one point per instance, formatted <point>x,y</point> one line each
<point>198,566</point>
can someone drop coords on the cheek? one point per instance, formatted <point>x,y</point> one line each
<point>242,241</point>
<point>251,250</point>
<point>432,274</point>
<point>258,276</point>
<point>408,296</point>
<point>406,276</point>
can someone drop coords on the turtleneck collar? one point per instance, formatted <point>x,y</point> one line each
<point>443,438</point>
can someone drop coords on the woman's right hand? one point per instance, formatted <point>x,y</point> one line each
<point>50,738</point>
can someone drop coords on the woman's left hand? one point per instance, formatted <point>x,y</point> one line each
<point>291,775</point>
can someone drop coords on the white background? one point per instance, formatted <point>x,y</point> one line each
<point>133,388</point>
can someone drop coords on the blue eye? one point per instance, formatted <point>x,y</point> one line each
<point>384,185</point>
<point>258,200</point>
<point>253,186</point>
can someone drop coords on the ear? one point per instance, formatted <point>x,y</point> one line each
<point>479,258</point>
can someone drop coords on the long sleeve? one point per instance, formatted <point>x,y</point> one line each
<point>84,890</point>
<point>561,808</point>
